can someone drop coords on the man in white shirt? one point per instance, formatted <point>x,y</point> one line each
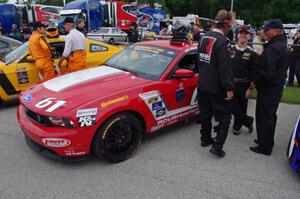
<point>75,47</point>
<point>169,28</point>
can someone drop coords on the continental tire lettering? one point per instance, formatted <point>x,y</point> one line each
<point>108,127</point>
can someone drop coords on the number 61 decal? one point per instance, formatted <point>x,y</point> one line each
<point>49,101</point>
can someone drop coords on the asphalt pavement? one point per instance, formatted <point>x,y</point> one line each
<point>169,165</point>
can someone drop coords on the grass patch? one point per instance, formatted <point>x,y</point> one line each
<point>291,95</point>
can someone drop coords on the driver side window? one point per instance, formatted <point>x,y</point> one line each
<point>189,61</point>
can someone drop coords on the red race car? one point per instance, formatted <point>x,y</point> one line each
<point>107,109</point>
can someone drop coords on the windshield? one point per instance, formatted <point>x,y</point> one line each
<point>16,54</point>
<point>62,18</point>
<point>148,62</point>
<point>103,30</point>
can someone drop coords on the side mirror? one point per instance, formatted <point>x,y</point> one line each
<point>30,59</point>
<point>184,73</point>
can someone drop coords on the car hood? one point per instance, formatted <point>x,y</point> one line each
<point>84,87</point>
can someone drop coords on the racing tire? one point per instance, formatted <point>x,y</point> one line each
<point>111,41</point>
<point>118,138</point>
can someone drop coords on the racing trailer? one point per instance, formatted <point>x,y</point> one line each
<point>8,16</point>
<point>26,14</point>
<point>122,14</point>
<point>89,10</point>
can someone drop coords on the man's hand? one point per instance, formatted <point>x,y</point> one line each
<point>229,95</point>
<point>59,63</point>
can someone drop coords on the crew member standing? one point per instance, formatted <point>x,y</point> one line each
<point>40,51</point>
<point>244,61</point>
<point>272,72</point>
<point>80,25</point>
<point>75,47</point>
<point>132,33</point>
<point>215,84</point>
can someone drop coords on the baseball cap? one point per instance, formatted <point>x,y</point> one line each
<point>39,25</point>
<point>273,24</point>
<point>244,28</point>
<point>69,20</point>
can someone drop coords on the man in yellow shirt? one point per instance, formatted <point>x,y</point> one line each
<point>40,51</point>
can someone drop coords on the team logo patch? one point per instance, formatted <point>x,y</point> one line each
<point>87,117</point>
<point>26,97</point>
<point>205,48</point>
<point>246,56</point>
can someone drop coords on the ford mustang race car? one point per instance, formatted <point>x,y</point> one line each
<point>293,151</point>
<point>107,109</point>
<point>18,71</point>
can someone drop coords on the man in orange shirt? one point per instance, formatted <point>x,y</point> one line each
<point>40,51</point>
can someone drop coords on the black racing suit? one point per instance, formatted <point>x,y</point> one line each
<point>132,35</point>
<point>272,72</point>
<point>244,63</point>
<point>215,79</point>
<point>294,63</point>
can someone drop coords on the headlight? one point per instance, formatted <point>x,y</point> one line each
<point>62,122</point>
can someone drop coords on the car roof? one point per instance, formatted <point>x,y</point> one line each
<point>10,40</point>
<point>166,44</point>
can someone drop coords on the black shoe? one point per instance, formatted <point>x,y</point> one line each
<point>250,128</point>
<point>257,150</point>
<point>207,143</point>
<point>236,132</point>
<point>218,152</point>
<point>216,128</point>
<point>256,141</point>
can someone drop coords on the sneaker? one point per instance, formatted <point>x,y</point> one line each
<point>217,152</point>
<point>236,132</point>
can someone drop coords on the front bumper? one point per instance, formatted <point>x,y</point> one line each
<point>49,153</point>
<point>77,145</point>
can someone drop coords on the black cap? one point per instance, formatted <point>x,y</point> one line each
<point>39,25</point>
<point>273,24</point>
<point>69,20</point>
<point>244,28</point>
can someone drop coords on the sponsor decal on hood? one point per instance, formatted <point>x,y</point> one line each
<point>71,79</point>
<point>113,101</point>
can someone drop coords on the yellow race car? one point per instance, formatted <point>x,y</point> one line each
<point>18,71</point>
